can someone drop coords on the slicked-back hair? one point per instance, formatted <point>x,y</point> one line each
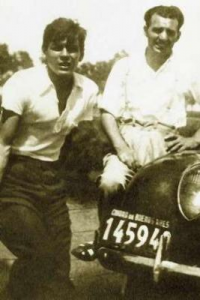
<point>171,12</point>
<point>62,28</point>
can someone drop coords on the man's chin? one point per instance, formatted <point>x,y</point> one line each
<point>161,51</point>
<point>64,73</point>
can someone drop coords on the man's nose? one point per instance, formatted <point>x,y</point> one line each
<point>64,52</point>
<point>163,35</point>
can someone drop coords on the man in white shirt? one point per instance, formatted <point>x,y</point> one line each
<point>144,102</point>
<point>142,106</point>
<point>41,106</point>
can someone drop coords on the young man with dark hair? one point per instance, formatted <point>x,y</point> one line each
<point>41,106</point>
<point>144,102</point>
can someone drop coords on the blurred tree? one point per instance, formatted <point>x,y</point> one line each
<point>99,71</point>
<point>10,63</point>
<point>5,59</point>
<point>21,60</point>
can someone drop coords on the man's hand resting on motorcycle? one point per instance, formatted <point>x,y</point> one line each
<point>178,143</point>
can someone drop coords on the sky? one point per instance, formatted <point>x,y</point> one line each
<point>112,25</point>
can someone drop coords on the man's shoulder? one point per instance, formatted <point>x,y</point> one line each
<point>184,70</point>
<point>122,63</point>
<point>28,81</point>
<point>86,83</point>
<point>129,63</point>
<point>26,75</point>
<point>119,69</point>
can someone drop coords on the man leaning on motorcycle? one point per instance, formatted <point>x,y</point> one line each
<point>143,105</point>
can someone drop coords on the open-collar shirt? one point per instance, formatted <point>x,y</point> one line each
<point>135,90</point>
<point>31,94</point>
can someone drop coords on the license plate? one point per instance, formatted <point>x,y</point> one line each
<point>135,233</point>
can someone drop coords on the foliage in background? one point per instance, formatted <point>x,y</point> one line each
<point>100,70</point>
<point>10,63</point>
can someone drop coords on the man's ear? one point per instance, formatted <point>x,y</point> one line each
<point>178,36</point>
<point>145,30</point>
<point>43,57</point>
<point>81,57</point>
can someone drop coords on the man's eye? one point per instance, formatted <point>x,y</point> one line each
<point>157,30</point>
<point>72,48</point>
<point>56,47</point>
<point>171,33</point>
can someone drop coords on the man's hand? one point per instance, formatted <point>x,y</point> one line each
<point>178,143</point>
<point>126,155</point>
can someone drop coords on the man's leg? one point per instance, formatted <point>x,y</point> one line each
<point>57,220</point>
<point>24,233</point>
<point>147,142</point>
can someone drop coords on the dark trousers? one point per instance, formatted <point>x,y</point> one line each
<point>35,226</point>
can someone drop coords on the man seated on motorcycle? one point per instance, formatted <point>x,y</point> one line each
<point>144,103</point>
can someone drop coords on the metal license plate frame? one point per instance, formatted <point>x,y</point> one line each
<point>133,233</point>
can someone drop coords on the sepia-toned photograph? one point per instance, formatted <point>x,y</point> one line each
<point>99,150</point>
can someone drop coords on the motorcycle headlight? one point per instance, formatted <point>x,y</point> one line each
<point>189,193</point>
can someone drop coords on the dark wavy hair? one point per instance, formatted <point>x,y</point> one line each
<point>64,28</point>
<point>171,12</point>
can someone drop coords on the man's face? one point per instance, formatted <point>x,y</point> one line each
<point>162,34</point>
<point>62,56</point>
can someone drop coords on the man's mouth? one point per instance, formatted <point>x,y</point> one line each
<point>161,46</point>
<point>65,65</point>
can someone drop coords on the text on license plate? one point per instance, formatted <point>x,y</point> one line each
<point>134,233</point>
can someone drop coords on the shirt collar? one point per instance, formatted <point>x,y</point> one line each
<point>48,84</point>
<point>45,82</point>
<point>162,67</point>
<point>78,80</point>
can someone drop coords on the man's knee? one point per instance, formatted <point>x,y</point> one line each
<point>24,234</point>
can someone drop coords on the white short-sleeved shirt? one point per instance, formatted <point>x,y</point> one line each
<point>31,94</point>
<point>150,95</point>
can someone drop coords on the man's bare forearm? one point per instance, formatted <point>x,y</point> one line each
<point>124,152</point>
<point>111,128</point>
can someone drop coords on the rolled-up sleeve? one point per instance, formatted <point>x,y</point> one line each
<point>14,95</point>
<point>114,93</point>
